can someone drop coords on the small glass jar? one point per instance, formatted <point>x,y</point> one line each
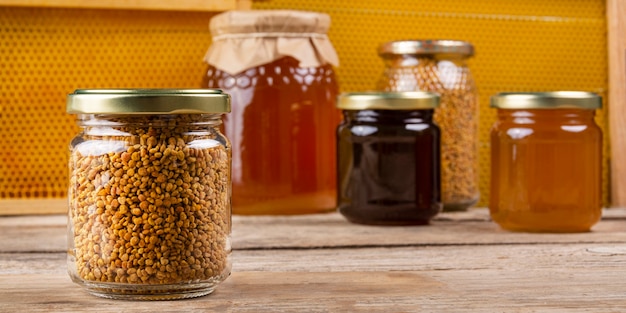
<point>441,66</point>
<point>278,67</point>
<point>388,158</point>
<point>149,194</point>
<point>546,162</point>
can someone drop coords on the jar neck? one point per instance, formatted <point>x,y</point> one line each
<point>149,120</point>
<point>116,126</point>
<point>531,116</point>
<point>402,60</point>
<point>393,117</point>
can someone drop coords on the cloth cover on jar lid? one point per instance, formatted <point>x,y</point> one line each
<point>246,39</point>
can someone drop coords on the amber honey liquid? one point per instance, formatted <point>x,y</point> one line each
<point>546,170</point>
<point>282,133</point>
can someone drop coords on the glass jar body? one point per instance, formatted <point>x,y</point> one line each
<point>149,205</point>
<point>282,131</point>
<point>546,170</point>
<point>457,115</point>
<point>388,167</point>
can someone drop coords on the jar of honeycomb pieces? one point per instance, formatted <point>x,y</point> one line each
<point>149,194</point>
<point>277,65</point>
<point>546,161</point>
<point>441,66</point>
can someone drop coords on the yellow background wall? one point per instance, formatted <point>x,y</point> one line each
<point>531,45</point>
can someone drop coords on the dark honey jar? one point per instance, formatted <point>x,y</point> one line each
<point>388,170</point>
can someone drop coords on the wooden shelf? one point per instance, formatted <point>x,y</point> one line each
<point>462,262</point>
<point>32,206</point>
<point>616,19</point>
<point>178,5</point>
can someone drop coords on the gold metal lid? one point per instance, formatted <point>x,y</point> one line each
<point>546,100</point>
<point>459,47</point>
<point>378,100</point>
<point>148,101</point>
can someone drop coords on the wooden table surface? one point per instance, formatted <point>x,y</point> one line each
<point>321,263</point>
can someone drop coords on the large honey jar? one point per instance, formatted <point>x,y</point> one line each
<point>546,154</point>
<point>149,194</point>
<point>278,68</point>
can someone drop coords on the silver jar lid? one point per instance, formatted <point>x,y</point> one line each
<point>378,100</point>
<point>546,100</point>
<point>417,47</point>
<point>148,101</point>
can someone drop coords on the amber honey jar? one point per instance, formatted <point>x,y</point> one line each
<point>441,66</point>
<point>388,158</point>
<point>149,194</point>
<point>278,68</point>
<point>546,169</point>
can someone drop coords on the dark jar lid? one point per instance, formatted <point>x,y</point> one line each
<point>148,101</point>
<point>547,100</point>
<point>374,100</point>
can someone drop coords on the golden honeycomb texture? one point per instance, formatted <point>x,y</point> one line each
<point>47,53</point>
<point>532,45</point>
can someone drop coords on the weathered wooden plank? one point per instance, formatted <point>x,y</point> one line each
<point>524,257</point>
<point>321,263</point>
<point>331,230</point>
<point>518,278</point>
<point>244,292</point>
<point>37,233</point>
<point>33,233</point>
<point>520,258</point>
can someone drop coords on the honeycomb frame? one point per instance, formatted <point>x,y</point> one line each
<point>46,53</point>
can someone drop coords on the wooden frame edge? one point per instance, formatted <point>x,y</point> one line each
<point>33,206</point>
<point>616,24</point>
<point>178,5</point>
